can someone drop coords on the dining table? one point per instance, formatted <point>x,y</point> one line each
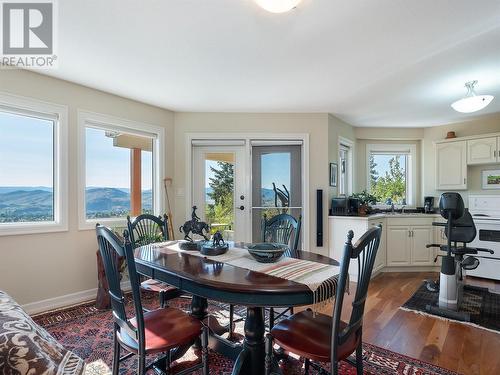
<point>206,278</point>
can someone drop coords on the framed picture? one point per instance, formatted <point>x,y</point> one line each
<point>491,179</point>
<point>333,174</point>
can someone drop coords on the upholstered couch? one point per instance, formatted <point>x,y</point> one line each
<point>26,348</point>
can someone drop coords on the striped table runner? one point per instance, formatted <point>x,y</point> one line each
<point>320,278</point>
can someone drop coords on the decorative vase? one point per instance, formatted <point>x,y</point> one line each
<point>363,210</point>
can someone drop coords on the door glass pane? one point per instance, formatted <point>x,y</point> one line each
<point>276,184</point>
<point>219,193</point>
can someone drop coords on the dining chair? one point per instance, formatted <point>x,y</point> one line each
<point>321,338</point>
<point>153,332</point>
<point>144,230</point>
<point>284,229</point>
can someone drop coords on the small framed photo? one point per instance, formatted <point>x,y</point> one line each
<point>333,174</point>
<point>491,179</point>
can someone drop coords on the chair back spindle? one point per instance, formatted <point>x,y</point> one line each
<point>283,229</point>
<point>146,229</point>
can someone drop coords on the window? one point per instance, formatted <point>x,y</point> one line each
<point>33,166</point>
<point>391,170</point>
<point>120,170</point>
<point>345,166</point>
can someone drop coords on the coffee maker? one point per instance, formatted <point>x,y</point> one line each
<point>429,205</point>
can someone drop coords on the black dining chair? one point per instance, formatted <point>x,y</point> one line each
<point>321,338</point>
<point>144,230</point>
<point>152,332</point>
<point>284,229</point>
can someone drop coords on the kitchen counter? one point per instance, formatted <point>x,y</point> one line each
<point>384,215</point>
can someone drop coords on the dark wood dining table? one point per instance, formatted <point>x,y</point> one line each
<point>208,279</point>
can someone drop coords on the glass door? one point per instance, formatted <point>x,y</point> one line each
<point>219,189</point>
<point>276,184</point>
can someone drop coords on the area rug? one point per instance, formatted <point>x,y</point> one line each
<point>88,332</point>
<point>483,306</point>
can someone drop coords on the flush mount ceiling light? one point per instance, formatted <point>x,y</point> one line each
<point>278,6</point>
<point>471,102</point>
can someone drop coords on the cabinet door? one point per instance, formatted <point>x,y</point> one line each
<point>420,254</point>
<point>482,151</point>
<point>451,166</point>
<point>380,259</point>
<point>398,246</point>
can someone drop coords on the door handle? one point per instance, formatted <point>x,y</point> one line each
<point>241,208</point>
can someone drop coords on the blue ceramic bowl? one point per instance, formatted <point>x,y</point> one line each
<point>266,252</point>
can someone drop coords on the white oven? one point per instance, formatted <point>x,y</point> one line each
<point>485,210</point>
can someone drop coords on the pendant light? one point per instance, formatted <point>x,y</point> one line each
<point>471,102</point>
<point>278,6</point>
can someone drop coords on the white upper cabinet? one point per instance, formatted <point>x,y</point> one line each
<point>482,150</point>
<point>451,166</point>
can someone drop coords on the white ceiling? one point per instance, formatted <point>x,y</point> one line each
<point>372,63</point>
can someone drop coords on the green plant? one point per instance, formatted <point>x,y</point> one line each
<point>365,198</point>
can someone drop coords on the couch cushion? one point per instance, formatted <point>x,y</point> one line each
<point>26,348</point>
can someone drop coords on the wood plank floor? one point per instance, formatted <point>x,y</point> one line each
<point>452,345</point>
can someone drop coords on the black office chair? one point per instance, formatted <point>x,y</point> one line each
<point>460,229</point>
<point>144,230</point>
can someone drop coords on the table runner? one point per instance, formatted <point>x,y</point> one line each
<point>320,278</point>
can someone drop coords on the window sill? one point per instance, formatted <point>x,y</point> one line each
<point>31,228</point>
<point>112,223</point>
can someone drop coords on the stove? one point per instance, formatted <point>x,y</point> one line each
<point>485,210</point>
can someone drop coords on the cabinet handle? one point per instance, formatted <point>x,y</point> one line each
<point>465,180</point>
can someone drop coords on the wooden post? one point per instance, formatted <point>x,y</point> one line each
<point>135,182</point>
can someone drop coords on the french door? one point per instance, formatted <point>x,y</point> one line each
<point>234,186</point>
<point>220,190</point>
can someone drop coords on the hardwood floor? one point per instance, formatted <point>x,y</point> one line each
<point>455,346</point>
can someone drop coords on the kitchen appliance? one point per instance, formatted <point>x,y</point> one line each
<point>344,206</point>
<point>428,205</point>
<point>485,211</point>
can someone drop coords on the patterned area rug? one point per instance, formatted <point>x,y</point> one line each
<point>88,332</point>
<point>480,303</point>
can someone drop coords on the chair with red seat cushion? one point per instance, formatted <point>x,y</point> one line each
<point>144,230</point>
<point>152,332</point>
<point>322,338</point>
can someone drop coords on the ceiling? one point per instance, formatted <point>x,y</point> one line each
<point>372,63</point>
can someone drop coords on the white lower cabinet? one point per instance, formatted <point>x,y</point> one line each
<point>407,245</point>
<point>398,246</point>
<point>420,238</point>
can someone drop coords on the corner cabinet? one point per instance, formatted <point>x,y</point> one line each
<point>483,151</point>
<point>451,165</point>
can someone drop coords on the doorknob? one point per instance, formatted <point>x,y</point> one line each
<point>242,208</point>
<point>242,197</point>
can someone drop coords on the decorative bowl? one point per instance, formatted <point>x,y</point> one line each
<point>266,252</point>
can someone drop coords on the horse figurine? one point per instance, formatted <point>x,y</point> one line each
<point>217,240</point>
<point>194,226</point>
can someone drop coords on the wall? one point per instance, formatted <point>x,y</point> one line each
<point>483,125</point>
<point>316,125</point>
<point>338,128</point>
<point>43,266</point>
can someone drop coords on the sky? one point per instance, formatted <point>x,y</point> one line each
<point>26,147</point>
<point>275,168</point>
<point>382,162</point>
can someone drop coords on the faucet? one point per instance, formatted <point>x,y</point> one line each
<point>392,208</point>
<point>403,209</point>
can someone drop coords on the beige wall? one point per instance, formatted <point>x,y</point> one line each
<point>316,125</point>
<point>42,266</point>
<point>338,128</point>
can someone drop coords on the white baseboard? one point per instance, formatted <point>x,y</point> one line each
<point>65,301</point>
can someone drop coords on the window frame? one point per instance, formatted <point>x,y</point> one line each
<point>349,145</point>
<point>411,173</point>
<point>59,114</point>
<point>111,123</point>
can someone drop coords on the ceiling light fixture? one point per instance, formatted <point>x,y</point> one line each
<point>278,6</point>
<point>471,102</point>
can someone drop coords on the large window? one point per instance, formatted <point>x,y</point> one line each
<point>32,191</point>
<point>391,170</point>
<point>120,169</point>
<point>345,166</point>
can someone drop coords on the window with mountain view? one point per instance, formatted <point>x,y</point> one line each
<point>119,174</point>
<point>27,167</point>
<point>390,174</point>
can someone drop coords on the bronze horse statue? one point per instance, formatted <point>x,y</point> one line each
<point>194,226</point>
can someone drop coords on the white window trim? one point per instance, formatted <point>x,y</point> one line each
<point>350,163</point>
<point>412,173</point>
<point>101,121</point>
<point>60,188</point>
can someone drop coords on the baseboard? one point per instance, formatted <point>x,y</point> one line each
<point>412,269</point>
<point>65,301</point>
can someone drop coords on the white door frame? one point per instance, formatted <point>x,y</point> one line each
<point>224,138</point>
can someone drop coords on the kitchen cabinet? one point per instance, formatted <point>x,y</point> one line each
<point>420,238</point>
<point>398,246</point>
<point>451,165</point>
<point>483,151</point>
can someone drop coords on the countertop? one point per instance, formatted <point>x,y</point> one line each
<point>383,216</point>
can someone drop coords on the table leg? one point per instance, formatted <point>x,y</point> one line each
<point>252,357</point>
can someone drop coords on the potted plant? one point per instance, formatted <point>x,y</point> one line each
<point>365,199</point>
